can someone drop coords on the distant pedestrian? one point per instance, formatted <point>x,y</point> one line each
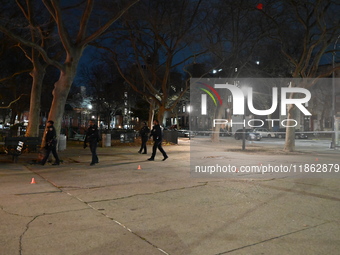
<point>144,134</point>
<point>157,134</point>
<point>92,137</point>
<point>50,143</point>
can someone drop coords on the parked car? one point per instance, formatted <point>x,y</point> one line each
<point>250,135</point>
<point>264,132</point>
<point>185,133</point>
<point>281,133</point>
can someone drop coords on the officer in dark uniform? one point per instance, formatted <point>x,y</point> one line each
<point>157,135</point>
<point>144,134</point>
<point>50,143</point>
<point>92,137</point>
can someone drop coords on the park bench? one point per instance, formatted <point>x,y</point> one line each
<point>78,137</point>
<point>14,146</point>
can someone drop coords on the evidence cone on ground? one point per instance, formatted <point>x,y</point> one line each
<point>33,181</point>
<point>139,167</point>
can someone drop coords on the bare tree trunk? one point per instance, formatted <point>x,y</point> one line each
<point>290,131</point>
<point>321,120</point>
<point>151,112</point>
<point>61,90</point>
<point>38,74</point>
<point>160,115</point>
<point>215,138</point>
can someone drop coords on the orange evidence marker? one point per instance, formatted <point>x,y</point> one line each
<point>33,181</point>
<point>139,167</point>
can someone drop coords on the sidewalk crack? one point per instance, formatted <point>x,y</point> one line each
<point>10,213</point>
<point>36,217</point>
<point>26,229</point>
<point>273,238</point>
<point>147,194</point>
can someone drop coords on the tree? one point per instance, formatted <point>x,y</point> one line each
<point>234,33</point>
<point>39,34</point>
<point>304,30</point>
<point>105,85</point>
<point>157,38</point>
<point>73,41</point>
<point>14,85</point>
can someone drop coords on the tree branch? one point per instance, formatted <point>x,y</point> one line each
<point>9,106</point>
<point>32,45</point>
<point>15,74</point>
<point>84,21</point>
<point>23,9</point>
<point>54,9</point>
<point>101,30</point>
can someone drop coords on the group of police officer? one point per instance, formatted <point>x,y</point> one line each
<point>92,138</point>
<point>157,135</point>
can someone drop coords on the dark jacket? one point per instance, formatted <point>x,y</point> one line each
<point>144,131</point>
<point>92,134</point>
<point>157,133</point>
<point>51,137</point>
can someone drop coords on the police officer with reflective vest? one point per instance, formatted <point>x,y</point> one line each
<point>50,143</point>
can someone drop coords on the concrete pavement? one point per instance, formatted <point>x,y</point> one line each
<point>116,208</point>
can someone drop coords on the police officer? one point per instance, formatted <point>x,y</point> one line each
<point>144,133</point>
<point>92,137</point>
<point>50,143</point>
<point>157,135</point>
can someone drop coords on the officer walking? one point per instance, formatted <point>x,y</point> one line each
<point>50,143</point>
<point>157,135</point>
<point>92,137</point>
<point>144,133</point>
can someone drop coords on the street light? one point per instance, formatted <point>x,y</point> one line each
<point>333,92</point>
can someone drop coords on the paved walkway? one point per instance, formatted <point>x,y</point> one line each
<point>126,205</point>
